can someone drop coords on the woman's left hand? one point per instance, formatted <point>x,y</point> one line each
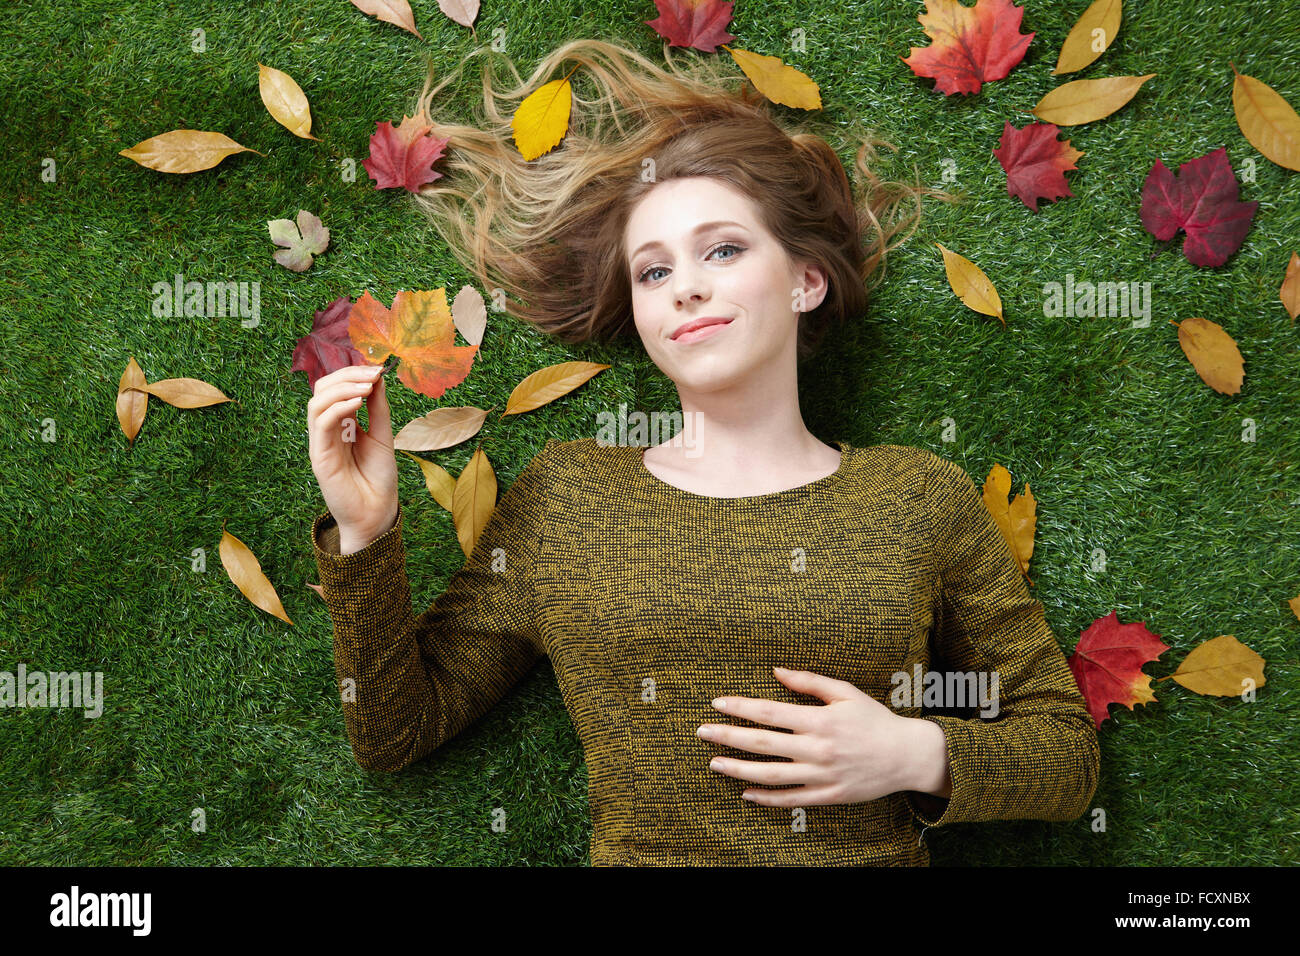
<point>850,750</point>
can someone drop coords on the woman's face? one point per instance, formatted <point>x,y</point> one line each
<point>696,249</point>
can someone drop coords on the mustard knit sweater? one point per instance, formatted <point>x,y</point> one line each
<point>650,601</point>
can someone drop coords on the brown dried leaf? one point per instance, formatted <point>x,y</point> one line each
<point>246,571</point>
<point>1220,667</point>
<point>184,150</point>
<point>1289,293</point>
<point>436,478</point>
<point>548,384</point>
<point>131,402</point>
<point>186,392</point>
<point>441,428</point>
<point>469,313</point>
<point>1213,354</point>
<point>473,499</point>
<point>971,285</point>
<point>396,12</point>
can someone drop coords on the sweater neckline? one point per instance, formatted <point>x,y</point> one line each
<point>653,482</point>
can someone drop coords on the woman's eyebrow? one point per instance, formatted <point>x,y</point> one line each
<point>702,227</point>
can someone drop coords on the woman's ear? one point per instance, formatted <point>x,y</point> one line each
<point>814,283</point>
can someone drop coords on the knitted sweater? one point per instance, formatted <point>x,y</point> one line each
<point>650,601</point>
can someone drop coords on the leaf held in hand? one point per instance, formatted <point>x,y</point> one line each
<point>1267,120</point>
<point>396,12</point>
<point>1083,101</point>
<point>972,45</point>
<point>1204,202</point>
<point>246,571</point>
<point>327,347</point>
<point>971,285</point>
<point>1035,162</point>
<point>548,384</point>
<point>542,118</point>
<point>701,24</point>
<point>307,238</point>
<point>420,332</point>
<point>285,101</point>
<point>131,403</point>
<point>1090,37</point>
<point>1220,667</point>
<point>778,82</point>
<point>184,151</point>
<point>1107,664</point>
<point>1213,354</point>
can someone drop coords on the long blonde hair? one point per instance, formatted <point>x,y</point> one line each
<point>550,232</point>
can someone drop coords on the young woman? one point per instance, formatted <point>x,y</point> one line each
<point>742,626</point>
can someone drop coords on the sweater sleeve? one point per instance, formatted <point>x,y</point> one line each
<point>1038,758</point>
<point>408,684</point>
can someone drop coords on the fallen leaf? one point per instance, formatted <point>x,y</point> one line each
<point>971,285</point>
<point>1090,36</point>
<point>246,571</point>
<point>396,12</point>
<point>1295,606</point>
<point>473,499</point>
<point>1213,354</point>
<point>404,155</point>
<point>1219,668</point>
<point>441,428</point>
<point>419,331</point>
<point>1107,664</point>
<point>1035,162</point>
<point>469,312</point>
<point>131,402</point>
<point>1083,101</point>
<point>285,101</point>
<point>185,392</point>
<point>327,347</point>
<point>464,12</point>
<point>318,589</point>
<point>701,24</point>
<point>548,384</point>
<point>972,45</point>
<point>1289,292</point>
<point>436,478</point>
<point>307,238</point>
<point>1204,202</point>
<point>1267,120</point>
<point>184,151</point>
<point>1016,520</point>
<point>778,82</point>
<point>542,118</point>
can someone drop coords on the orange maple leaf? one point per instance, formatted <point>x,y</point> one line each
<point>972,45</point>
<point>1107,664</point>
<point>419,330</point>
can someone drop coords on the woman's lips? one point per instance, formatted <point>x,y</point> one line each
<point>707,332</point>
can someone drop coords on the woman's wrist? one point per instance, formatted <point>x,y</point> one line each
<point>352,541</point>
<point>930,770</point>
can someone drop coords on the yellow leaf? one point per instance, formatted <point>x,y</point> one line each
<point>436,478</point>
<point>132,403</point>
<point>1213,354</point>
<point>543,118</point>
<point>396,12</point>
<point>285,101</point>
<point>184,151</point>
<point>246,571</point>
<point>548,384</point>
<point>1289,293</point>
<point>1220,667</point>
<point>778,82</point>
<point>971,285</point>
<point>1091,34</point>
<point>1083,101</point>
<point>1016,520</point>
<point>1295,606</point>
<point>474,498</point>
<point>1267,120</point>
<point>441,428</point>
<point>186,392</point>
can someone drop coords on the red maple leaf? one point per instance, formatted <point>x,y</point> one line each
<point>698,23</point>
<point>404,156</point>
<point>972,45</point>
<point>419,330</point>
<point>1107,664</point>
<point>327,347</point>
<point>1203,201</point>
<point>1035,162</point>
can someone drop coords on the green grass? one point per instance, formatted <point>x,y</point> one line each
<point>214,704</point>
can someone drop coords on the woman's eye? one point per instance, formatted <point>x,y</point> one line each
<point>726,245</point>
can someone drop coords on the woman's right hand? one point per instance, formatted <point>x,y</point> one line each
<point>358,479</point>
